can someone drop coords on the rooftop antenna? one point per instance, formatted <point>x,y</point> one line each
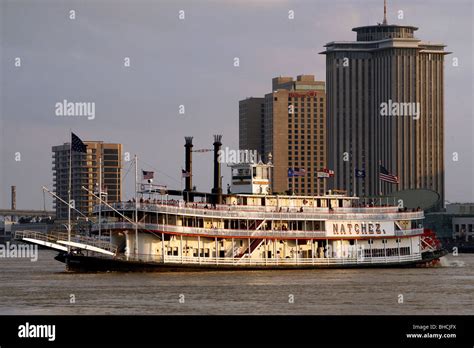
<point>384,12</point>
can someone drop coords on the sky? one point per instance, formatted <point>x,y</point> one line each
<point>189,62</point>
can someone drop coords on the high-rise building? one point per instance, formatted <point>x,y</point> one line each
<point>385,106</point>
<point>251,129</point>
<point>85,172</point>
<point>294,124</point>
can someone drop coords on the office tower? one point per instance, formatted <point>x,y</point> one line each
<point>251,129</point>
<point>385,106</point>
<point>85,172</point>
<point>294,134</point>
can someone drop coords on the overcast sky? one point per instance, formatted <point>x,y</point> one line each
<point>189,62</point>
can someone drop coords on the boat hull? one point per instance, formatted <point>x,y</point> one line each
<point>82,263</point>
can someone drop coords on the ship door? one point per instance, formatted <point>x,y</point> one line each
<point>263,202</point>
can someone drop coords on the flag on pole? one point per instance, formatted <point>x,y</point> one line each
<point>292,172</point>
<point>360,173</point>
<point>325,173</point>
<point>385,175</point>
<point>96,189</point>
<point>77,144</point>
<point>185,174</point>
<point>147,175</point>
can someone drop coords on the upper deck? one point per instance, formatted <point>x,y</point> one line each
<point>276,208</point>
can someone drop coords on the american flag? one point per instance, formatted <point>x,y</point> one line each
<point>292,172</point>
<point>77,144</point>
<point>185,174</point>
<point>147,175</point>
<point>384,175</point>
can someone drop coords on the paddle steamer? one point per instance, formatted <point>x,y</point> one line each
<point>247,228</point>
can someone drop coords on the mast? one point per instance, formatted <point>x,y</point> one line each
<point>384,12</point>
<point>136,205</point>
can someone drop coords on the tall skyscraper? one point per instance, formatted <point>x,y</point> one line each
<point>294,124</point>
<point>385,106</point>
<point>251,128</point>
<point>85,172</point>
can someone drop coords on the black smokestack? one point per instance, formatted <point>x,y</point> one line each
<point>13,197</point>
<point>217,190</point>
<point>187,194</point>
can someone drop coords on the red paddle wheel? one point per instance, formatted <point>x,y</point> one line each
<point>430,243</point>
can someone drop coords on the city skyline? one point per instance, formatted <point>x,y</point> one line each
<point>143,100</point>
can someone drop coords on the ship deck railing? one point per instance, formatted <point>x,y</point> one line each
<point>252,261</point>
<point>243,233</point>
<point>249,208</point>
<point>240,211</point>
<point>55,237</point>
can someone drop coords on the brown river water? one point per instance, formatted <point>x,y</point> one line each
<point>43,287</point>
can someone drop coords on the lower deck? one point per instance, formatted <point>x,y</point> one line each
<point>184,249</point>
<point>84,263</point>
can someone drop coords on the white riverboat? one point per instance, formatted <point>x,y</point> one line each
<point>252,229</point>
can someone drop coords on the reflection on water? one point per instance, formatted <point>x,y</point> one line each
<point>43,287</point>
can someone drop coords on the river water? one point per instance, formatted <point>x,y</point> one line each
<point>43,287</point>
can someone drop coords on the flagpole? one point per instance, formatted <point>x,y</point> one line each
<point>136,206</point>
<point>69,193</point>
<point>354,182</point>
<point>100,195</point>
<point>293,182</point>
<point>380,183</point>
